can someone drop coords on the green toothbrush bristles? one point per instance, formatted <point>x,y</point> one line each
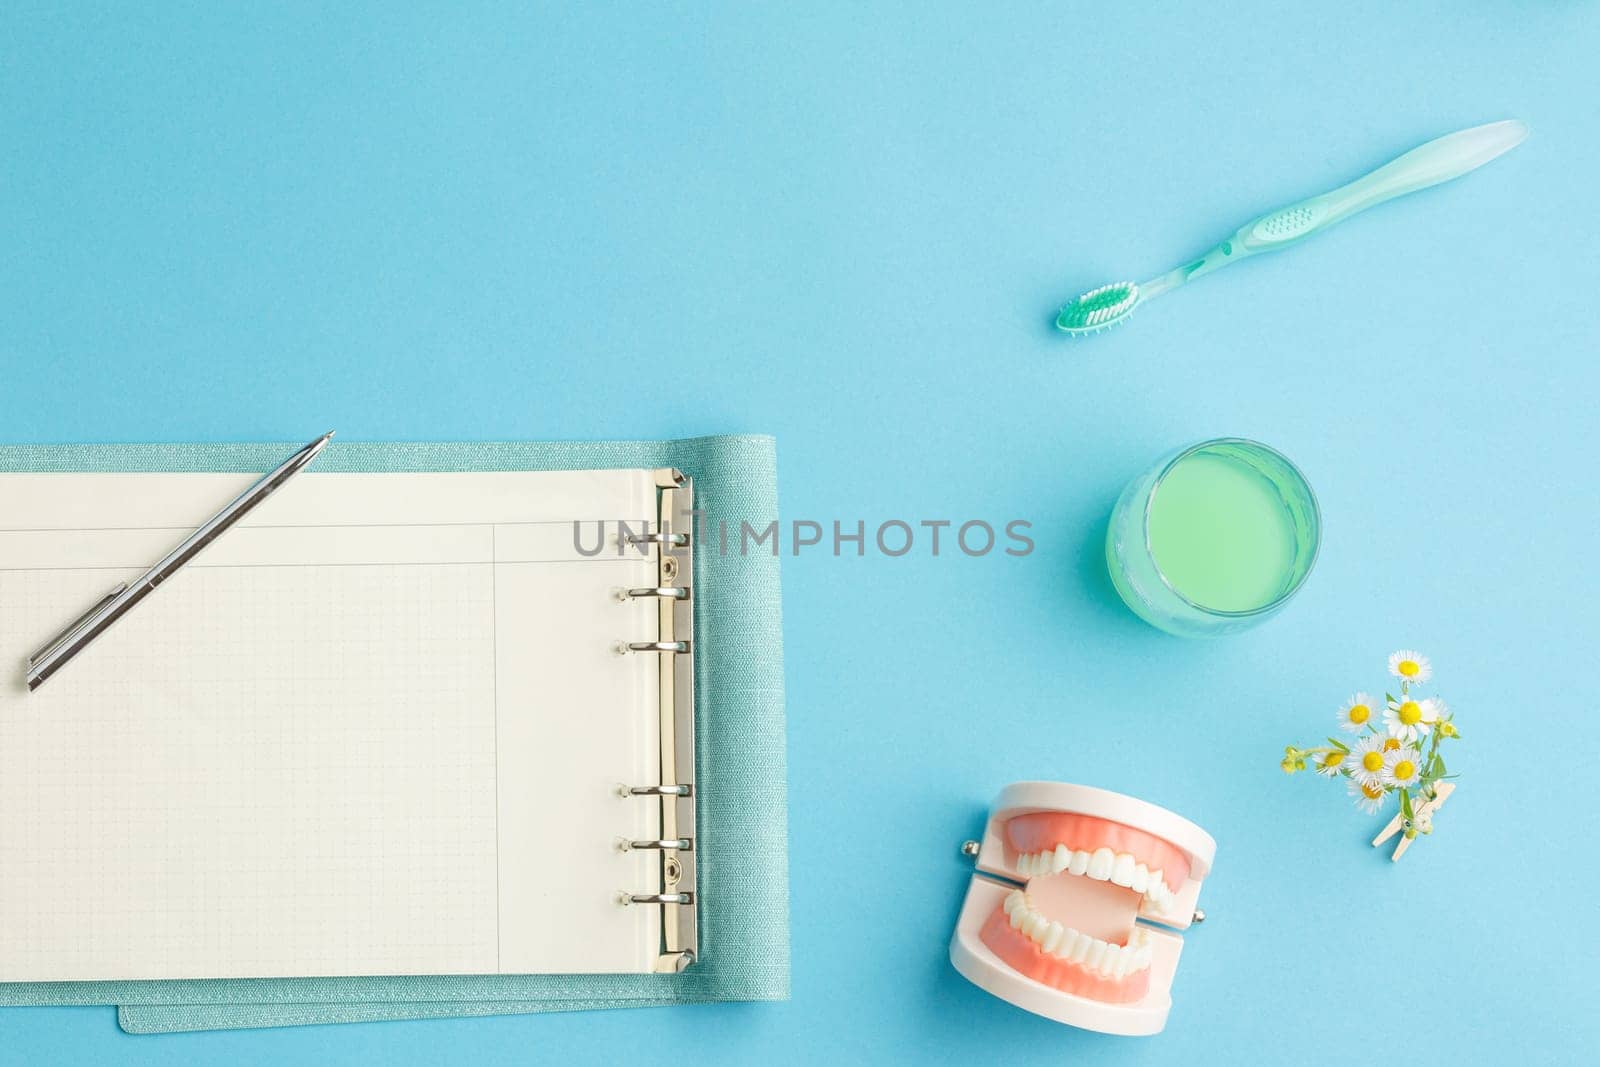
<point>1099,308</point>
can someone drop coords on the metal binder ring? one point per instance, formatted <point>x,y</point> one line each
<point>682,844</point>
<point>666,592</point>
<point>659,539</point>
<point>658,646</point>
<point>660,898</point>
<point>661,790</point>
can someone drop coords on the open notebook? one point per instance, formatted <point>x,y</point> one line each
<point>386,726</point>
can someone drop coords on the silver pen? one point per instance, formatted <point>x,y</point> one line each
<point>43,665</point>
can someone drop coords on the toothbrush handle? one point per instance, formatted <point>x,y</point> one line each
<point>1437,161</point>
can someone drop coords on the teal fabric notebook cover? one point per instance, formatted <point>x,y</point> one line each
<point>739,744</point>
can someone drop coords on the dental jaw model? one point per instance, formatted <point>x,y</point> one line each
<point>1058,918</point>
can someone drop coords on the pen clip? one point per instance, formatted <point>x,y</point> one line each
<point>76,625</point>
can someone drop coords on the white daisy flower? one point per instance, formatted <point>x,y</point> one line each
<point>1355,713</point>
<point>1410,718</point>
<point>1409,666</point>
<point>1402,767</point>
<point>1368,795</point>
<point>1329,762</point>
<point>1365,761</point>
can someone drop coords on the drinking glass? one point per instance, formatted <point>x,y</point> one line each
<point>1214,538</point>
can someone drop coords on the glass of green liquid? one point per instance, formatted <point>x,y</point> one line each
<point>1214,538</point>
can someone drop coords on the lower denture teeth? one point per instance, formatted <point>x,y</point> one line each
<point>1063,942</point>
<point>1080,947</point>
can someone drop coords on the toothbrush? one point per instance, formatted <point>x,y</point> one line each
<point>1437,161</point>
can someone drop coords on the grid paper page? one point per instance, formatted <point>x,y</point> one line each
<point>374,730</point>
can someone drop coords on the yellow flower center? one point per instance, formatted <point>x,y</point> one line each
<point>1372,761</point>
<point>1372,792</point>
<point>1332,759</point>
<point>1410,712</point>
<point>1358,713</point>
<point>1391,743</point>
<point>1404,770</point>
<point>1409,668</point>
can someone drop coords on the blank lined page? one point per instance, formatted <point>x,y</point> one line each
<point>375,730</point>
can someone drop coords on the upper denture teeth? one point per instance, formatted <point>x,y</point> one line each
<point>1063,942</point>
<point>1100,864</point>
<point>1157,895</point>
<point>1104,865</point>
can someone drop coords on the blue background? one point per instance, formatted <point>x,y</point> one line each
<point>849,226</point>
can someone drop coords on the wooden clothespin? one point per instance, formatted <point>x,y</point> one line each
<point>1422,812</point>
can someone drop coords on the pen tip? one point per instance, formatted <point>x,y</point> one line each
<point>328,436</point>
